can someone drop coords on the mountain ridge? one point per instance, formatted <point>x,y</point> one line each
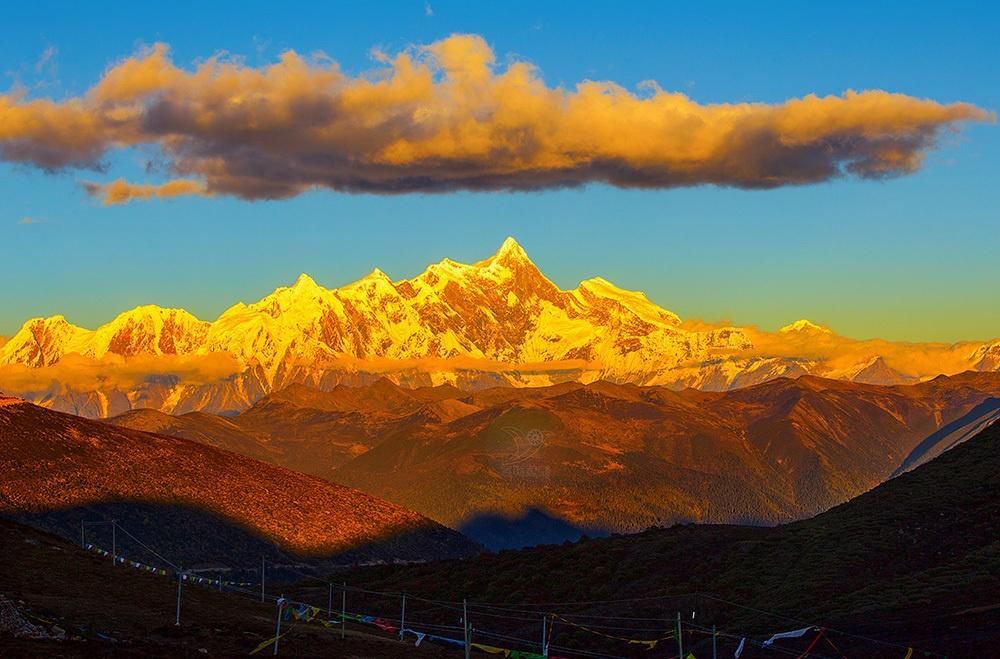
<point>498,321</point>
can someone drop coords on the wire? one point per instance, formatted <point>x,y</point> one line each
<point>491,609</point>
<point>145,546</point>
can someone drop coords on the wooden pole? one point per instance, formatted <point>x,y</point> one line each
<point>180,581</point>
<point>715,649</point>
<point>329,602</point>
<point>680,639</point>
<point>468,630</point>
<point>261,578</point>
<point>114,542</point>
<point>343,611</point>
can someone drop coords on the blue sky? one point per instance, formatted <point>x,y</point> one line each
<point>911,258</point>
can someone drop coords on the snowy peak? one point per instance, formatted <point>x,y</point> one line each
<point>805,327</point>
<point>149,330</point>
<point>510,252</point>
<point>512,258</point>
<point>42,342</point>
<point>495,321</point>
<point>987,357</point>
<point>305,283</point>
<point>599,291</point>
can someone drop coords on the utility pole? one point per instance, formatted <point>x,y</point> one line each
<point>402,618</point>
<point>329,602</point>
<point>262,579</point>
<point>277,631</point>
<point>180,580</point>
<point>468,630</point>
<point>343,611</point>
<point>83,535</point>
<point>114,541</point>
<point>545,651</point>
<point>680,638</point>
<point>715,649</point>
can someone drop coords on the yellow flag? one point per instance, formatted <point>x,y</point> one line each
<point>649,644</point>
<point>266,643</point>
<point>909,653</point>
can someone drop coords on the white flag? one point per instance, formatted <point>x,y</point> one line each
<point>793,634</point>
<point>739,648</point>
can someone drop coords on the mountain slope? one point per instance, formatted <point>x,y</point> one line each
<point>952,434</point>
<point>115,611</point>
<point>53,463</point>
<point>209,429</point>
<point>622,458</point>
<point>499,321</point>
<point>915,563</point>
<point>598,457</point>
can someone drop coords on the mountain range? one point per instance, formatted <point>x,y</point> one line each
<point>515,466</point>
<point>909,569</point>
<point>496,322</point>
<point>194,501</point>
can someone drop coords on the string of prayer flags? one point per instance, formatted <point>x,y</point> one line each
<point>650,644</point>
<point>162,572</point>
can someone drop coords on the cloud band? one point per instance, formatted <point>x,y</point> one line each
<point>445,117</point>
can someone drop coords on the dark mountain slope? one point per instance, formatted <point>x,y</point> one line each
<point>915,562</point>
<point>108,611</point>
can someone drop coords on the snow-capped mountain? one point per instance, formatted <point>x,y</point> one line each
<point>498,321</point>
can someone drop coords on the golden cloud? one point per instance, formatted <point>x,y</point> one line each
<point>446,116</point>
<point>112,371</point>
<point>120,191</point>
<point>836,352</point>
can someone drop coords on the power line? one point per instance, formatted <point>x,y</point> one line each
<point>499,611</point>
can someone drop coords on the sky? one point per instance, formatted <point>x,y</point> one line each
<point>909,257</point>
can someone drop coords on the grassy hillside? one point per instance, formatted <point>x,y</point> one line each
<point>108,611</point>
<point>915,562</point>
<point>199,502</point>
